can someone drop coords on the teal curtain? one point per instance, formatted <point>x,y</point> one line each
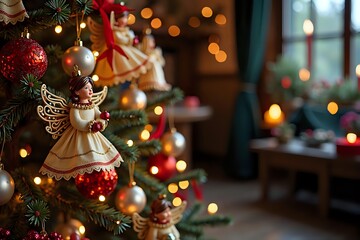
<point>252,18</point>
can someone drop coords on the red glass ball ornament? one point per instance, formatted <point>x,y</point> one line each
<point>162,166</point>
<point>92,185</point>
<point>20,57</point>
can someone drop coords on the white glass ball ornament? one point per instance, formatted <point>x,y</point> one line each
<point>173,143</point>
<point>80,56</point>
<point>130,199</point>
<point>7,187</point>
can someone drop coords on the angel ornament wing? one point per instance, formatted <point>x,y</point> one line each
<point>55,112</point>
<point>151,229</point>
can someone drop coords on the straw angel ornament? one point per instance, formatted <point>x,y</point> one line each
<point>81,147</point>
<point>161,223</point>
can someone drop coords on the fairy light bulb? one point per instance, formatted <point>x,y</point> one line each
<point>102,198</point>
<point>173,188</point>
<point>184,184</point>
<point>220,19</point>
<point>95,77</point>
<point>206,12</point>
<point>213,48</point>
<point>176,201</point>
<point>351,137</point>
<point>158,110</point>
<point>221,56</point>
<point>131,19</point>
<point>156,23</point>
<point>82,230</point>
<point>181,165</point>
<point>37,180</point>
<point>154,170</point>
<point>23,153</point>
<point>174,31</point>
<point>146,13</point>
<point>144,135</point>
<point>304,74</point>
<point>58,29</point>
<point>82,25</point>
<point>332,108</point>
<point>194,22</point>
<point>212,208</point>
<point>130,142</point>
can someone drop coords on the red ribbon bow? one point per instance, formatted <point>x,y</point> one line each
<point>105,8</point>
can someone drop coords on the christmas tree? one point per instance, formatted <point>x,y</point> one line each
<point>114,176</point>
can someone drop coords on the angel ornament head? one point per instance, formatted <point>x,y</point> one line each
<point>81,147</point>
<point>161,223</point>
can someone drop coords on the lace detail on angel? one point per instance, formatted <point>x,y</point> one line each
<point>55,112</point>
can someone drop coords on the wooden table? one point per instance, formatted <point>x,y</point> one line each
<point>295,156</point>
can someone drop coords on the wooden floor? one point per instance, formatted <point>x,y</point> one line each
<point>282,218</point>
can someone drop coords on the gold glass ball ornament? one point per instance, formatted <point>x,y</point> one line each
<point>132,98</point>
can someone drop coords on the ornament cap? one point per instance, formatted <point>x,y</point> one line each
<point>78,42</point>
<point>76,72</point>
<point>25,33</point>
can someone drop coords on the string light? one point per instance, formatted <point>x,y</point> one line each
<point>213,48</point>
<point>173,188</point>
<point>58,29</point>
<point>144,135</point>
<point>149,127</point>
<point>37,180</point>
<point>184,184</point>
<point>102,198</point>
<point>176,201</point>
<point>156,23</point>
<point>130,142</point>
<point>212,208</point>
<point>23,153</point>
<point>332,107</point>
<point>194,22</point>
<point>154,170</point>
<point>158,110</point>
<point>220,19</point>
<point>82,230</point>
<point>206,12</point>
<point>146,13</point>
<point>95,77</point>
<point>131,19</point>
<point>351,137</point>
<point>181,165</point>
<point>83,25</point>
<point>221,56</point>
<point>304,74</point>
<point>174,31</point>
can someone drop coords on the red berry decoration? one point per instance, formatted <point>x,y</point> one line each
<point>4,233</point>
<point>162,166</point>
<point>94,184</point>
<point>105,115</point>
<point>20,57</point>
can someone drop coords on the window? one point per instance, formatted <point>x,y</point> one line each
<point>335,43</point>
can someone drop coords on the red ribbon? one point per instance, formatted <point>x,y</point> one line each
<point>105,8</point>
<point>160,126</point>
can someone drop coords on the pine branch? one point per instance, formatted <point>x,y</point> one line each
<point>170,97</point>
<point>127,153</point>
<point>99,213</point>
<point>143,178</point>
<point>25,186</point>
<point>187,229</point>
<point>214,220</point>
<point>196,174</point>
<point>126,122</point>
<point>149,148</point>
<point>192,211</point>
